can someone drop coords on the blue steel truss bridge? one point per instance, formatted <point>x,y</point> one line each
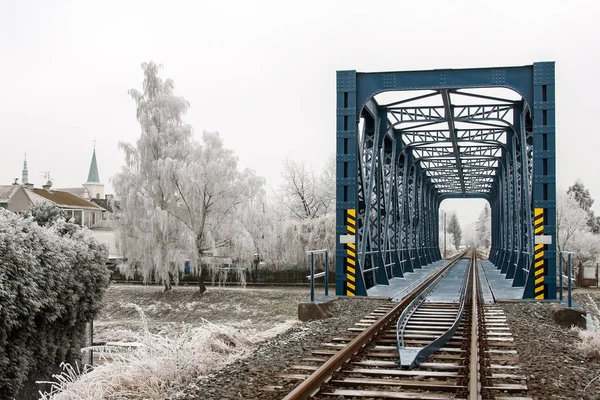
<point>408,140</point>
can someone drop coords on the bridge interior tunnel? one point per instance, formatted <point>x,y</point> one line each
<point>401,153</point>
<point>474,218</point>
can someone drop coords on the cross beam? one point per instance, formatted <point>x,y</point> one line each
<point>449,118</point>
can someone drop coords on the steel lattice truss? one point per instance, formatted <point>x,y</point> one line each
<point>458,160</point>
<point>408,140</point>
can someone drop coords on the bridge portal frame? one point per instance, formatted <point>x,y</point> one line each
<point>387,208</point>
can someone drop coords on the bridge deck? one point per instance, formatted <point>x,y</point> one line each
<point>494,284</point>
<point>486,290</point>
<point>501,287</point>
<point>400,287</point>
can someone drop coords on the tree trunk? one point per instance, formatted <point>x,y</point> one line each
<point>201,286</point>
<point>167,283</point>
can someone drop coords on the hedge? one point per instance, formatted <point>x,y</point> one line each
<point>52,279</point>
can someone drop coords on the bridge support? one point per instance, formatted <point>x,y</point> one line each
<point>397,160</point>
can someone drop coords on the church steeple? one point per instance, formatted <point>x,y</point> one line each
<point>25,173</point>
<point>94,187</point>
<point>93,176</point>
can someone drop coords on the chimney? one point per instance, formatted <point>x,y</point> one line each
<point>48,185</point>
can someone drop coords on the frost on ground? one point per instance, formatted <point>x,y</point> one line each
<point>176,345</point>
<point>159,367</point>
<point>245,309</point>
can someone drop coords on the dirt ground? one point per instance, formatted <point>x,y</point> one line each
<point>548,352</point>
<point>247,309</point>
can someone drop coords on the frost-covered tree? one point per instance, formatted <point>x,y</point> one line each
<point>149,232</point>
<point>220,207</point>
<point>570,219</point>
<point>255,215</point>
<point>483,227</point>
<point>573,231</point>
<point>455,230</point>
<point>326,185</point>
<point>182,201</point>
<point>300,191</point>
<point>445,247</point>
<point>583,197</point>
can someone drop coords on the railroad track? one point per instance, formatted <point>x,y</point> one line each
<point>439,342</point>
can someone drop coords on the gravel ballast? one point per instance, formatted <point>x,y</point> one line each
<point>247,378</point>
<point>549,356</point>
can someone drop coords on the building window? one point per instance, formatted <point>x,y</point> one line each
<point>78,217</point>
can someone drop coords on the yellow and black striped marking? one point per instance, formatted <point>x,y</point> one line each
<point>351,253</point>
<point>539,263</point>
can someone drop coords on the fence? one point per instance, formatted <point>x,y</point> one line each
<point>260,276</point>
<point>589,276</point>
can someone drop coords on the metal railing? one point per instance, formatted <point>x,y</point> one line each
<point>569,277</point>
<point>314,276</point>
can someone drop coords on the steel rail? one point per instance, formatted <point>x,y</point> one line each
<point>474,373</point>
<point>311,385</point>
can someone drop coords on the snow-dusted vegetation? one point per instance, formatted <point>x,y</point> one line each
<point>52,278</point>
<point>590,338</point>
<point>577,226</point>
<point>158,367</point>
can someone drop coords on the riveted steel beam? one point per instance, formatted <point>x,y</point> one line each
<point>452,130</point>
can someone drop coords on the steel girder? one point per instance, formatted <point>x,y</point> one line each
<point>449,140</point>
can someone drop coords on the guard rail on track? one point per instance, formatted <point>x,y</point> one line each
<point>411,357</point>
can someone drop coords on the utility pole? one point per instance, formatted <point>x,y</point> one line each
<point>444,234</point>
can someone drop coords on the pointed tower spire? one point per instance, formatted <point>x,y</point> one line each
<point>93,176</point>
<point>25,174</point>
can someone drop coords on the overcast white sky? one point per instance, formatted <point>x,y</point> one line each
<point>263,73</point>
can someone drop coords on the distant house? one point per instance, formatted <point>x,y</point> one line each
<point>86,206</point>
<point>17,198</point>
<point>14,198</point>
<point>84,213</point>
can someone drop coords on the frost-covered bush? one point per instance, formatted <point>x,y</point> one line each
<point>52,279</point>
<point>45,214</point>
<point>296,237</point>
<point>590,339</point>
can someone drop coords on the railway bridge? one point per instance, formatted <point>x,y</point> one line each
<point>408,140</point>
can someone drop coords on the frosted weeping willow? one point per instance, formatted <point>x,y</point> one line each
<point>182,200</point>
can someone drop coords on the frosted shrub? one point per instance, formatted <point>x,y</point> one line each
<point>52,278</point>
<point>590,340</point>
<point>160,367</point>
